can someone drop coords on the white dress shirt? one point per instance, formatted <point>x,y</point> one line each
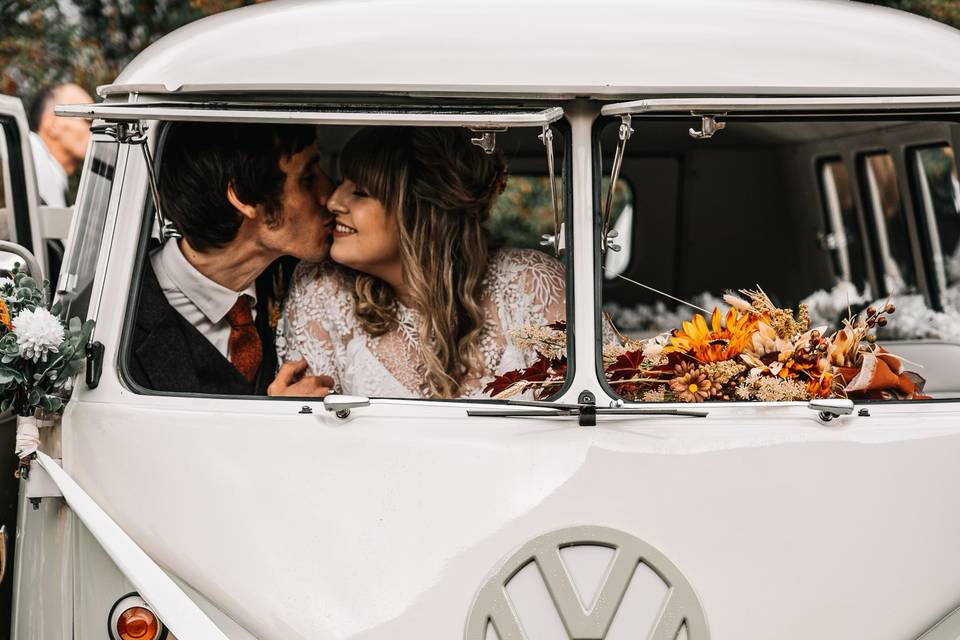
<point>200,300</point>
<point>51,178</point>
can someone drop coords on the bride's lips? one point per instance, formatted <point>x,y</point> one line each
<point>341,230</point>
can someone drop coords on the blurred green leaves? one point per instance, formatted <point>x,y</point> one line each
<point>85,41</point>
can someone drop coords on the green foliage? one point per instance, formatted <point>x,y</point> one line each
<point>946,11</point>
<point>36,45</point>
<point>31,384</point>
<point>85,41</point>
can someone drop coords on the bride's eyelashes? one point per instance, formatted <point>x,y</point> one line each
<point>360,193</point>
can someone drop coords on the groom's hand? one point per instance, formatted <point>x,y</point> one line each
<point>291,381</point>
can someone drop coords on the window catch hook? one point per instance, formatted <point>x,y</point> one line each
<point>134,133</point>
<point>623,134</point>
<point>556,239</point>
<point>487,140</point>
<point>709,126</point>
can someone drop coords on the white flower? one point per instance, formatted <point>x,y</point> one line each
<point>38,333</point>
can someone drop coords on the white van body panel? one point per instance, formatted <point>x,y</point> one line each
<point>547,48</point>
<point>386,524</point>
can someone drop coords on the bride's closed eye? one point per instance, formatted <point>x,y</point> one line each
<point>360,193</point>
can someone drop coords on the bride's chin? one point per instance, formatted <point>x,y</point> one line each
<point>341,257</point>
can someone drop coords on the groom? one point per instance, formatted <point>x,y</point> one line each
<point>243,196</point>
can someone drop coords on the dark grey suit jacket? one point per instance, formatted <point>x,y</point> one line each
<point>169,354</point>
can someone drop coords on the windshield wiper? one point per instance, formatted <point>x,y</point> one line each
<point>586,411</point>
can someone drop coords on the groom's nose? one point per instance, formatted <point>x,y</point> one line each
<point>325,188</point>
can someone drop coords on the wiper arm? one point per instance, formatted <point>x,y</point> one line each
<point>586,412</point>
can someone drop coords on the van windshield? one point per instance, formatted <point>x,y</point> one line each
<point>383,261</point>
<point>785,261</point>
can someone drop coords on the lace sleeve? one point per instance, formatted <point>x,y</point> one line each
<point>539,283</point>
<point>304,330</point>
<point>543,279</point>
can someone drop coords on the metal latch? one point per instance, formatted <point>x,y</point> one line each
<point>831,408</point>
<point>94,364</point>
<point>343,404</point>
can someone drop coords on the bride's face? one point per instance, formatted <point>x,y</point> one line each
<point>365,234</point>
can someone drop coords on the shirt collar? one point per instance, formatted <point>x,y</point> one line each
<point>214,300</point>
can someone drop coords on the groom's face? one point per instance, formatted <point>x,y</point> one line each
<point>303,227</point>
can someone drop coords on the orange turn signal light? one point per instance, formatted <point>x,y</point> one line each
<point>137,623</point>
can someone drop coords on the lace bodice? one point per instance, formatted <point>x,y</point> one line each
<point>521,287</point>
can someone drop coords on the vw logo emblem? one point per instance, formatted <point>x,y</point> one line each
<point>680,609</point>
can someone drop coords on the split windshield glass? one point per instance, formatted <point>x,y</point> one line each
<point>756,240</point>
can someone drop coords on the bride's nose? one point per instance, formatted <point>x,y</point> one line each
<point>336,202</point>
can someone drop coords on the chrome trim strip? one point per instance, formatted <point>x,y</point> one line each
<point>947,628</point>
<point>177,611</point>
<point>3,552</point>
<point>698,106</point>
<point>199,112</point>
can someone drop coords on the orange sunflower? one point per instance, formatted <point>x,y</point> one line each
<point>5,315</point>
<point>724,339</point>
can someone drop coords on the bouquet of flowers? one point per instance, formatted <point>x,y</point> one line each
<point>755,351</point>
<point>39,355</point>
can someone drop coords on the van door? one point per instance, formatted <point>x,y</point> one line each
<point>18,207</point>
<point>18,187</point>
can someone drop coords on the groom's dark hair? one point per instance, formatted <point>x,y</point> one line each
<point>198,161</point>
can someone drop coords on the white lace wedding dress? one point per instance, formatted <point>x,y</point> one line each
<point>521,287</point>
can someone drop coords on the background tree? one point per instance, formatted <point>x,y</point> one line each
<point>36,45</point>
<point>947,11</point>
<point>85,41</point>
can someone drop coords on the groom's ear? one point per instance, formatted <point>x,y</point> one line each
<point>246,210</point>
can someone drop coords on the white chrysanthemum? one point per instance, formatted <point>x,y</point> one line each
<point>38,333</point>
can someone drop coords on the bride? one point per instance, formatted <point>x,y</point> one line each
<point>417,305</point>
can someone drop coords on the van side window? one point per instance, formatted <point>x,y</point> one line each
<point>76,278</point>
<point>939,193</point>
<point>844,238</point>
<point>889,218</point>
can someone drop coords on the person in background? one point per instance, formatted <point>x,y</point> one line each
<point>59,144</point>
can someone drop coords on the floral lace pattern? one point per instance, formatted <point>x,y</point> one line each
<point>521,287</point>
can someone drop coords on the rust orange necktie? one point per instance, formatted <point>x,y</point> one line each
<point>246,352</point>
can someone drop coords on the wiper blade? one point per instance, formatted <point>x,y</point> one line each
<point>586,412</point>
<point>520,413</point>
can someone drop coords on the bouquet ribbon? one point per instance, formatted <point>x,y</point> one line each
<point>881,375</point>
<point>28,437</point>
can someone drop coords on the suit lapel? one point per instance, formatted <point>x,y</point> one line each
<point>173,355</point>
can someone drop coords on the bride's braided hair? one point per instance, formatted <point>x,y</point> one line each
<point>442,188</point>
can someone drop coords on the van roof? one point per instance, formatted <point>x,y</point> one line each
<point>553,48</point>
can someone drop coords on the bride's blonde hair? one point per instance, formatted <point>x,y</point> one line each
<point>441,188</point>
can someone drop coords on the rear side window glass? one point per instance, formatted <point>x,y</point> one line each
<point>844,237</point>
<point>76,279</point>
<point>889,217</point>
<point>936,171</point>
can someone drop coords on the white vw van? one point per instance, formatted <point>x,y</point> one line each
<point>693,147</point>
